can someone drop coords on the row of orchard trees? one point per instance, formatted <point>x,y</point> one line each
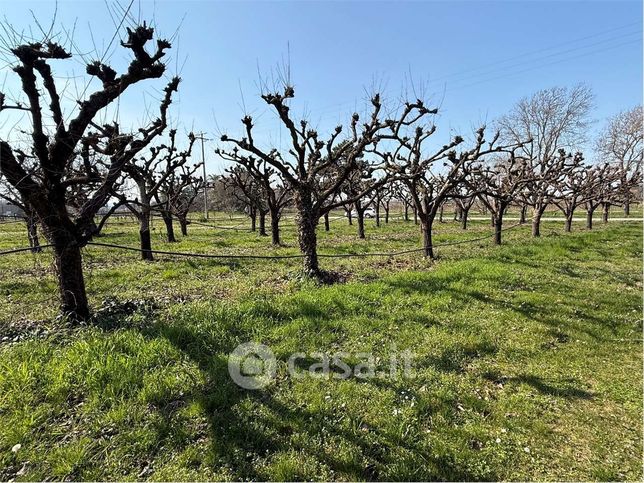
<point>529,161</point>
<point>72,167</point>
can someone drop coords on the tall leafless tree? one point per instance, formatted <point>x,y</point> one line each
<point>555,118</point>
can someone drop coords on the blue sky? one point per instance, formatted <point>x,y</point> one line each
<point>475,58</point>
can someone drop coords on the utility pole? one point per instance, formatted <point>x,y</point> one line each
<point>205,180</point>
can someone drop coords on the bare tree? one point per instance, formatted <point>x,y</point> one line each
<point>45,187</point>
<point>357,183</point>
<point>464,197</point>
<point>149,173</point>
<point>179,192</point>
<point>572,188</point>
<point>498,185</point>
<point>309,158</point>
<point>429,190</point>
<point>270,186</point>
<point>555,118</point>
<point>401,193</point>
<point>601,187</point>
<point>621,143</point>
<point>249,193</point>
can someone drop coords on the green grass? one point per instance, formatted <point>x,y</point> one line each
<point>527,360</point>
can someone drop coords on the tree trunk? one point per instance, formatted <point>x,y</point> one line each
<point>144,235</point>
<point>32,234</point>
<point>426,226</point>
<point>605,212</point>
<point>360,213</point>
<point>69,270</point>
<point>169,228</point>
<point>415,216</point>
<point>464,213</point>
<point>377,208</point>
<point>440,214</point>
<point>262,223</point>
<point>350,217</point>
<point>627,205</point>
<point>522,214</point>
<point>406,212</point>
<point>307,238</point>
<point>253,219</point>
<point>183,223</point>
<point>275,227</point>
<point>536,220</point>
<point>387,213</point>
<point>327,225</point>
<point>568,224</point>
<point>498,227</point>
<point>589,218</point>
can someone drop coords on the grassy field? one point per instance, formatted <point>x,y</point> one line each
<point>527,359</point>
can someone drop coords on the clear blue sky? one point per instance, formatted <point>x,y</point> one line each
<point>476,57</point>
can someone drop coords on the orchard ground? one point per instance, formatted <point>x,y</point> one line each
<point>527,357</point>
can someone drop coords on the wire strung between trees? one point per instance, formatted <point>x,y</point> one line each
<point>18,250</point>
<point>280,257</point>
<point>274,257</point>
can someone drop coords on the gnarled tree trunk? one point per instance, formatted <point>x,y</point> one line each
<point>307,221</point>
<point>68,264</point>
<point>327,226</point>
<point>426,223</point>
<point>360,213</point>
<point>498,228</point>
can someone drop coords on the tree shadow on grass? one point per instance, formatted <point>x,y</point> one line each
<point>567,389</point>
<point>556,314</point>
<point>244,427</point>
